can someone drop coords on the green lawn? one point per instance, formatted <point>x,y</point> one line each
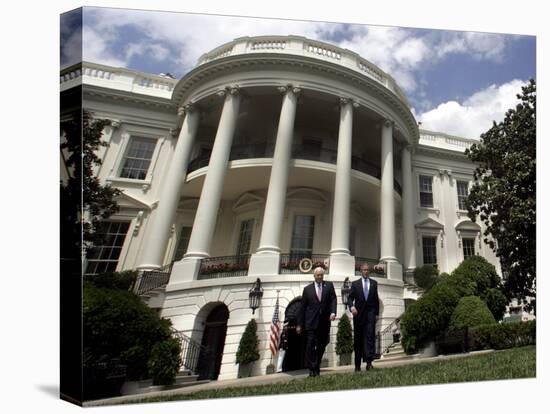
<point>507,364</point>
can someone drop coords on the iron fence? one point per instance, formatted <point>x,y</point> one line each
<point>224,266</point>
<point>148,280</point>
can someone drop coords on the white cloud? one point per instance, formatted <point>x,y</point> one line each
<point>401,52</point>
<point>481,46</point>
<point>476,114</point>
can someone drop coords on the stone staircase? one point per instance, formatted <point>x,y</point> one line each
<point>184,378</point>
<point>411,291</point>
<point>154,298</point>
<point>395,353</point>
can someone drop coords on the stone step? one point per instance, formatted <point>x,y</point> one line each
<point>397,357</point>
<point>184,379</point>
<point>394,351</point>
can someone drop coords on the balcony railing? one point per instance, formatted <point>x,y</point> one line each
<point>224,266</point>
<point>266,150</point>
<point>300,46</point>
<point>152,279</point>
<point>290,263</point>
<point>191,351</point>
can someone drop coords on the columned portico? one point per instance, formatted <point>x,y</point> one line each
<point>209,203</point>
<point>341,262</point>
<point>266,259</point>
<point>408,210</point>
<point>387,205</point>
<point>155,246</point>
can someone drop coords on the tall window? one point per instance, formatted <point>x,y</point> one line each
<point>245,237</point>
<point>104,257</point>
<point>462,191</point>
<point>429,251</point>
<point>138,157</point>
<point>426,194</point>
<point>302,236</point>
<point>468,247</point>
<point>183,242</point>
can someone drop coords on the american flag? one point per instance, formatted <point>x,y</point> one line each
<point>274,336</point>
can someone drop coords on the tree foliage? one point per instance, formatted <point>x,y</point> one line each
<point>84,201</point>
<point>425,277</point>
<point>504,192</point>
<point>344,336</point>
<point>431,314</point>
<point>469,312</point>
<point>248,347</point>
<point>118,324</point>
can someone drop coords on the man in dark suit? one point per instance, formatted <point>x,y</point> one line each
<point>364,305</point>
<point>317,311</point>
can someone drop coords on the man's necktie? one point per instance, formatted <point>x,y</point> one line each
<point>319,291</point>
<point>366,289</point>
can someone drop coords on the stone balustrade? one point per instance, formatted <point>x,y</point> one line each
<point>117,78</point>
<point>439,140</point>
<point>298,45</point>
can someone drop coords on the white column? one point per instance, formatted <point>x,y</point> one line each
<point>341,263</point>
<point>408,207</point>
<point>387,205</point>
<point>209,202</point>
<point>161,223</point>
<point>266,259</point>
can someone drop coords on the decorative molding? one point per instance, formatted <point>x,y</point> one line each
<point>139,220</point>
<point>296,90</point>
<point>442,236</point>
<point>115,123</point>
<point>174,132</point>
<point>231,90</point>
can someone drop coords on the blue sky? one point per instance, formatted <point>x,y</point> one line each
<point>456,82</point>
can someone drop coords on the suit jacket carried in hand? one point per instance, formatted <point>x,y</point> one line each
<point>356,298</point>
<point>313,312</point>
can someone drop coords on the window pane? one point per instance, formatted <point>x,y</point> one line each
<point>429,251</point>
<point>462,192</point>
<point>468,247</point>
<point>245,237</point>
<point>426,196</point>
<point>104,257</point>
<point>138,158</point>
<point>302,235</point>
<point>183,242</point>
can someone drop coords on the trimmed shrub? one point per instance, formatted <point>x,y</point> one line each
<point>248,346</point>
<point>117,324</point>
<point>344,336</point>
<point>496,302</point>
<point>426,277</point>
<point>115,280</point>
<point>471,311</point>
<point>165,361</point>
<point>503,335</point>
<point>478,270</point>
<point>430,315</point>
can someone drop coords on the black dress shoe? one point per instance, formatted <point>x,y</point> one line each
<point>357,369</point>
<point>369,366</point>
<point>311,373</point>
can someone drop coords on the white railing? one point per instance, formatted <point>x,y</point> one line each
<point>440,140</point>
<point>298,45</point>
<point>117,78</point>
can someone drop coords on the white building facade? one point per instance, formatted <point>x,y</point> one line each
<point>271,150</point>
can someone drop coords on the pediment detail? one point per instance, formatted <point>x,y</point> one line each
<point>247,200</point>
<point>306,193</point>
<point>467,225</point>
<point>128,201</point>
<point>430,223</point>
